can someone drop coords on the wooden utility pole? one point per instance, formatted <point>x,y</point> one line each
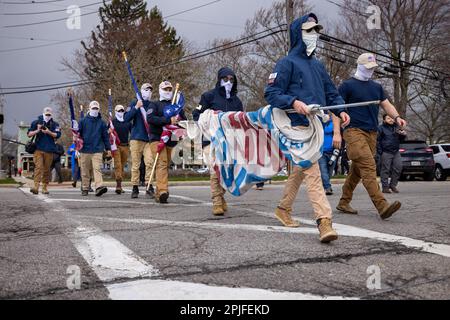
<point>289,19</point>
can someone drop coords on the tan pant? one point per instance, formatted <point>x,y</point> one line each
<point>120,160</point>
<point>316,193</point>
<point>217,192</point>
<point>137,149</point>
<point>42,163</point>
<point>91,162</point>
<point>162,169</point>
<point>361,148</point>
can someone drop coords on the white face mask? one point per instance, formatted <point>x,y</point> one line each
<point>165,95</point>
<point>47,119</point>
<point>146,94</point>
<point>228,86</point>
<point>93,113</point>
<point>363,74</point>
<point>310,40</point>
<point>119,116</point>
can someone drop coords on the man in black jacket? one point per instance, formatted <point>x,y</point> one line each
<point>388,144</point>
<point>56,164</point>
<point>224,98</point>
<point>123,129</point>
<point>157,121</point>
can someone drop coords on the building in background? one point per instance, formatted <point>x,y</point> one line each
<point>25,162</point>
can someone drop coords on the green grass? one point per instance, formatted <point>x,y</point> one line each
<point>8,181</point>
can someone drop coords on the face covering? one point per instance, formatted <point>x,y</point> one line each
<point>119,116</point>
<point>310,40</point>
<point>146,94</point>
<point>363,74</point>
<point>165,95</point>
<point>228,86</point>
<point>93,113</point>
<point>47,118</point>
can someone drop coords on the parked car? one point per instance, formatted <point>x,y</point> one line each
<point>417,160</point>
<point>441,154</point>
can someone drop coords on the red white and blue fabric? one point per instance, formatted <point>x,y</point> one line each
<point>169,130</point>
<point>247,148</point>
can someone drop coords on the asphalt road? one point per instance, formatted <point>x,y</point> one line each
<point>137,249</point>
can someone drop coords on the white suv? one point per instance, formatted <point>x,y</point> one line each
<point>441,154</point>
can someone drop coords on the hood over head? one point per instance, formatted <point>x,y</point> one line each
<point>223,72</point>
<point>295,33</point>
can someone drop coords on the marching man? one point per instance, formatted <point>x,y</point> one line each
<point>299,80</point>
<point>94,132</point>
<point>121,155</point>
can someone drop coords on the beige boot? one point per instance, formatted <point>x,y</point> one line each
<point>224,205</point>
<point>284,215</point>
<point>44,189</point>
<point>218,209</point>
<point>35,190</point>
<point>346,208</point>
<point>326,231</point>
<point>390,209</point>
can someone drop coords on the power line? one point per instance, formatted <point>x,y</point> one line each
<point>50,11</point>
<point>32,2</point>
<point>191,9</point>
<point>42,45</point>
<point>47,21</point>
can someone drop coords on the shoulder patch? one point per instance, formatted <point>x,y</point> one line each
<point>272,77</point>
<point>199,107</point>
<point>149,111</point>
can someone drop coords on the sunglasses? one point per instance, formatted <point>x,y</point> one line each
<point>48,115</point>
<point>316,29</point>
<point>121,110</point>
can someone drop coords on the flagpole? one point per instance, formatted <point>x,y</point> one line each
<point>340,106</point>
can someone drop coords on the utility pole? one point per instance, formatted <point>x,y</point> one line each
<point>289,19</point>
<point>1,137</point>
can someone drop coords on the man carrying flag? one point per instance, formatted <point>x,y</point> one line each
<point>299,80</point>
<point>139,141</point>
<point>160,138</point>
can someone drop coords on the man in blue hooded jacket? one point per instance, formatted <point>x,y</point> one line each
<point>94,132</point>
<point>299,80</point>
<point>46,131</point>
<point>139,140</point>
<point>222,98</point>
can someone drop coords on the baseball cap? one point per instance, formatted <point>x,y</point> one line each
<point>368,60</point>
<point>94,104</point>
<point>311,23</point>
<point>146,86</point>
<point>165,84</point>
<point>48,110</point>
<point>119,107</point>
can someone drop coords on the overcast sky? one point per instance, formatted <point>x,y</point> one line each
<point>37,66</point>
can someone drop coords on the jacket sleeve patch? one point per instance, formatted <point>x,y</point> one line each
<point>272,78</point>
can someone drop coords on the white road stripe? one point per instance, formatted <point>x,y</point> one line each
<point>111,260</point>
<point>176,290</point>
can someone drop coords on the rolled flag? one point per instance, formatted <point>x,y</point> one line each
<point>113,136</point>
<point>175,108</point>
<point>136,90</point>
<point>74,127</point>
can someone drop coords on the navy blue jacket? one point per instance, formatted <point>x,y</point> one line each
<point>300,77</point>
<point>216,99</point>
<point>123,130</point>
<point>388,139</point>
<point>138,131</point>
<point>94,133</point>
<point>157,121</point>
<point>43,141</point>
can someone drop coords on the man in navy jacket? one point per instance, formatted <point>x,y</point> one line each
<point>46,131</point>
<point>299,80</point>
<point>94,132</point>
<point>139,140</point>
<point>224,98</point>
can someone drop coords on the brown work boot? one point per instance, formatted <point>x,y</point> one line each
<point>34,191</point>
<point>218,208</point>
<point>326,231</point>
<point>390,209</point>
<point>224,205</point>
<point>119,186</point>
<point>285,218</point>
<point>395,190</point>
<point>346,208</point>
<point>44,189</point>
<point>386,190</point>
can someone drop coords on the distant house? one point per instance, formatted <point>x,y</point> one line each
<point>24,159</point>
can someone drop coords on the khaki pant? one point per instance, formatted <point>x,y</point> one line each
<point>120,160</point>
<point>361,149</point>
<point>42,163</point>
<point>217,192</point>
<point>162,169</point>
<point>91,162</point>
<point>137,149</point>
<point>316,193</point>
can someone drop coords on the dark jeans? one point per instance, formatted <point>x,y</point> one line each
<point>326,171</point>
<point>57,166</point>
<point>391,166</point>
